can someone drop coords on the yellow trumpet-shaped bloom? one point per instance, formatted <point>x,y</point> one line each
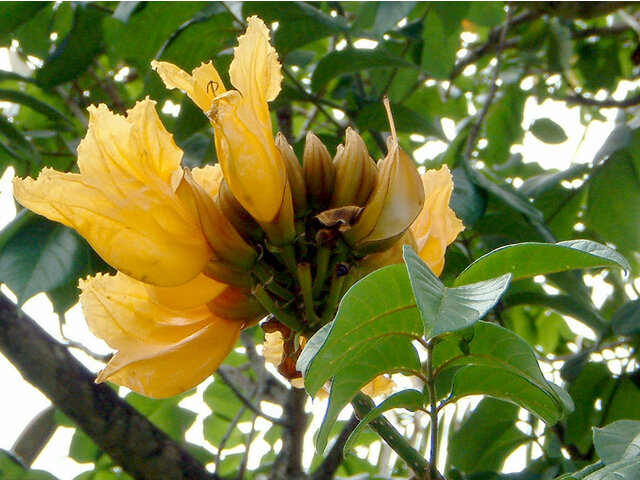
<point>437,225</point>
<point>122,200</point>
<point>161,352</point>
<point>252,165</point>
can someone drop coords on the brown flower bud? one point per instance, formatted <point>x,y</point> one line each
<point>356,173</point>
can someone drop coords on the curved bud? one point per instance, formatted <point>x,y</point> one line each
<point>394,204</point>
<point>319,172</point>
<point>356,173</point>
<point>225,242</point>
<point>241,220</point>
<point>282,229</point>
<point>294,174</point>
<point>236,304</point>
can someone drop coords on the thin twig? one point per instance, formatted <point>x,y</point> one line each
<point>578,98</point>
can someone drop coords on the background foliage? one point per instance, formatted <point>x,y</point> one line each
<point>466,64</point>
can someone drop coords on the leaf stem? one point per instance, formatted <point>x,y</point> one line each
<point>433,411</point>
<point>304,278</point>
<point>420,466</point>
<point>267,279</point>
<point>337,281</point>
<point>281,315</point>
<point>322,265</point>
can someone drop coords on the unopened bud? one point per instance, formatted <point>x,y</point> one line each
<point>222,272</point>
<point>241,220</point>
<point>295,176</point>
<point>236,304</point>
<point>226,243</point>
<point>319,172</point>
<point>282,230</point>
<point>356,173</point>
<point>393,206</point>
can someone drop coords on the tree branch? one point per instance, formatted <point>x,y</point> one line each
<point>333,458</point>
<point>121,431</point>
<point>578,98</point>
<point>288,464</point>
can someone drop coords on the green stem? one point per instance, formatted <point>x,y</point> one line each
<point>287,254</point>
<point>334,297</point>
<point>433,412</point>
<point>268,281</point>
<point>282,316</point>
<point>304,277</point>
<point>421,468</point>
<point>322,266</point>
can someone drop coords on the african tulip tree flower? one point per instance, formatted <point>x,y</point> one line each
<point>203,253</point>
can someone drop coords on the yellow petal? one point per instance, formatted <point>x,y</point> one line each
<point>437,225</point>
<point>255,70</point>
<point>122,201</point>
<point>380,385</point>
<point>202,85</point>
<point>161,370</point>
<point>252,165</point>
<point>209,178</point>
<point>273,348</point>
<point>194,293</point>
<point>161,352</point>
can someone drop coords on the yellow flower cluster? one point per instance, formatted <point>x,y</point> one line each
<point>203,253</point>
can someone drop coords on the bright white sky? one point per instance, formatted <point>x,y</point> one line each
<point>19,406</point>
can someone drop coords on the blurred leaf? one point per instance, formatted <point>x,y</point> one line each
<point>26,158</point>
<point>15,96</point>
<point>486,437</point>
<point>377,18</point>
<point>504,124</point>
<point>443,309</point>
<point>14,14</point>
<point>76,52</point>
<point>370,335</point>
<point>125,10</point>
<point>560,48</point>
<point>486,14</point>
<point>215,428</point>
<point>529,259</point>
<point>299,23</point>
<point>165,413</point>
<point>42,256</point>
<point>82,449</point>
<point>373,117</point>
<point>548,131</point>
<point>622,470</point>
<point>467,200</point>
<point>626,320</point>
<point>350,60</point>
<point>491,360</point>
<point>441,37</point>
<point>411,400</point>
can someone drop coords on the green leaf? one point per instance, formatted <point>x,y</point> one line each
<point>622,470</point>
<point>377,18</point>
<point>76,52</point>
<point>441,37</point>
<point>14,14</point>
<point>486,438</point>
<point>560,49</point>
<point>26,157</point>
<point>529,259</point>
<point>617,183</point>
<point>82,449</point>
<point>21,98</point>
<point>504,124</point>
<point>41,257</point>
<point>548,131</point>
<point>445,309</point>
<point>498,363</point>
<point>617,441</point>
<point>411,400</point>
<point>626,320</point>
<point>373,117</point>
<point>299,23</point>
<point>467,200</point>
<point>372,333</point>
<point>165,413</point>
<point>350,60</point>
<point>10,466</point>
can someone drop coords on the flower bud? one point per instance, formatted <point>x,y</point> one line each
<point>282,230</point>
<point>224,240</point>
<point>236,304</point>
<point>294,174</point>
<point>319,172</point>
<point>241,220</point>
<point>356,173</point>
<point>394,205</point>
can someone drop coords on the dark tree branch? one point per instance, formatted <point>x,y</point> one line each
<point>579,99</point>
<point>35,436</point>
<point>333,458</point>
<point>288,464</point>
<point>122,432</point>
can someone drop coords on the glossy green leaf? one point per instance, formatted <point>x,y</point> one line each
<point>352,60</point>
<point>491,360</point>
<point>486,438</point>
<point>445,309</point>
<point>548,131</point>
<point>411,400</point>
<point>617,441</point>
<point>529,259</point>
<point>41,257</point>
<point>371,334</point>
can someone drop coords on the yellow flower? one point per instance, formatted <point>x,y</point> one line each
<point>161,351</point>
<point>252,165</point>
<point>437,225</point>
<point>122,201</point>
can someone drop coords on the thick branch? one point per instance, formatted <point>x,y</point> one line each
<point>288,464</point>
<point>333,458</point>
<point>121,431</point>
